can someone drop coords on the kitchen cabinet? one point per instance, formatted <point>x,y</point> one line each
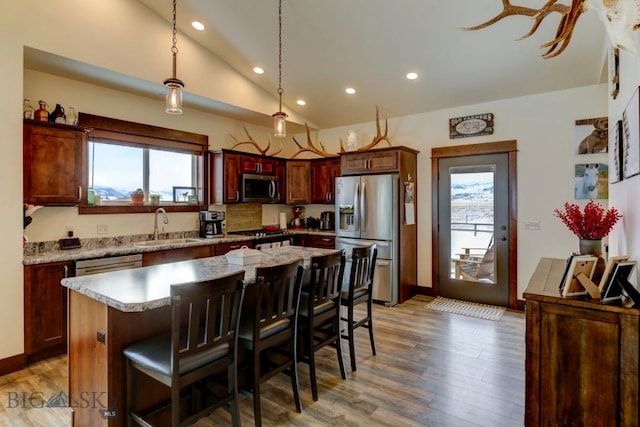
<point>54,163</point>
<point>298,187</point>
<point>384,160</point>
<point>323,177</point>
<point>174,255</point>
<point>45,310</point>
<point>316,241</point>
<point>582,357</point>
<point>224,177</point>
<point>257,164</point>
<point>281,167</point>
<point>223,248</point>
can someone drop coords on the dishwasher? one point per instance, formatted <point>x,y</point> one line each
<point>103,265</point>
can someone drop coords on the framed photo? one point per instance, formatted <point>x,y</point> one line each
<point>585,264</point>
<point>591,181</point>
<point>184,195</point>
<point>631,130</point>
<point>614,71</point>
<point>592,135</point>
<point>615,152</point>
<point>613,260</point>
<point>619,277</point>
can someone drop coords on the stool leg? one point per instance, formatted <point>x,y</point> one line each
<point>370,327</point>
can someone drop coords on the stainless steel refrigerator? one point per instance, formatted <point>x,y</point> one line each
<point>367,213</point>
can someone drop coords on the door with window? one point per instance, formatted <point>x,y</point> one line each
<point>473,199</point>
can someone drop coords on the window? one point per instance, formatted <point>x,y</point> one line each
<point>116,170</point>
<point>124,156</point>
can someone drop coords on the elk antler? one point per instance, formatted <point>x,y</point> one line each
<point>251,141</point>
<point>570,15</point>
<point>379,136</point>
<point>310,148</point>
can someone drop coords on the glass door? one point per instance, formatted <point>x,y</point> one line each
<point>473,228</point>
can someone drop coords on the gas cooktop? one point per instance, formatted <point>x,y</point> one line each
<point>260,233</point>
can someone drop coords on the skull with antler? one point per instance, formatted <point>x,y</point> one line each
<point>620,18</point>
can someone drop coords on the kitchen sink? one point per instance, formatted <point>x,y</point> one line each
<point>161,242</point>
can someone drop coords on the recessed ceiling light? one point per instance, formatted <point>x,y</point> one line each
<point>350,90</point>
<point>198,25</point>
<point>301,102</point>
<point>412,76</point>
<point>258,70</point>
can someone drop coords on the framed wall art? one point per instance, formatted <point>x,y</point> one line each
<point>184,195</point>
<point>614,71</point>
<point>591,181</point>
<point>631,130</point>
<point>615,152</point>
<point>592,135</point>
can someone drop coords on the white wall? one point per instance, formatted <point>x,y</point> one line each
<point>543,126</point>
<point>625,238</point>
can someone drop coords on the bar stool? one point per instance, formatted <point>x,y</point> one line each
<point>363,263</point>
<point>268,328</point>
<point>201,346</point>
<point>319,317</point>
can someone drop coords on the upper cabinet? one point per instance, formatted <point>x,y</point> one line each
<point>224,177</point>
<point>385,160</point>
<point>323,179</point>
<point>54,166</point>
<point>257,164</point>
<point>298,188</point>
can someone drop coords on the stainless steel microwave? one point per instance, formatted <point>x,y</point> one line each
<point>258,188</point>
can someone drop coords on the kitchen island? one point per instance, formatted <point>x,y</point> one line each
<point>109,311</point>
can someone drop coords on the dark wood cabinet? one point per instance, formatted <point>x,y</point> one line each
<point>54,163</point>
<point>224,177</point>
<point>323,176</point>
<point>384,160</point>
<point>174,255</point>
<point>298,188</point>
<point>281,167</point>
<point>257,164</point>
<point>581,359</point>
<point>223,248</point>
<point>45,310</point>
<point>315,241</point>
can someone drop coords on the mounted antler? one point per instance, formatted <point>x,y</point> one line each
<point>379,136</point>
<point>310,148</point>
<point>570,15</point>
<point>251,141</point>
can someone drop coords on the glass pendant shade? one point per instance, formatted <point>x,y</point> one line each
<point>174,96</point>
<point>279,124</point>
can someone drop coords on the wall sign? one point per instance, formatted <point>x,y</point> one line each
<point>464,127</point>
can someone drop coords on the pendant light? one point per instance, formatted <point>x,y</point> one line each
<point>173,84</point>
<point>280,118</point>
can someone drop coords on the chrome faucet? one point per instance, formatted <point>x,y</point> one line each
<point>155,221</point>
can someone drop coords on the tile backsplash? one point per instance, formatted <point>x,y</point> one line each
<point>243,216</point>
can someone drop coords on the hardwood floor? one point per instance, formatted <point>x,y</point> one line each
<point>432,369</point>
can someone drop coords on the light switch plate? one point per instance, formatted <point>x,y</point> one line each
<point>532,225</point>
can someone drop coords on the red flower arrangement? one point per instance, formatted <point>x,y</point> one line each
<point>594,224</point>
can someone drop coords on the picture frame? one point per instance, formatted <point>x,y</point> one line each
<point>614,71</point>
<point>631,130</point>
<point>570,285</point>
<point>616,141</point>
<point>619,278</point>
<point>591,181</point>
<point>613,260</point>
<point>592,135</point>
<point>184,195</point>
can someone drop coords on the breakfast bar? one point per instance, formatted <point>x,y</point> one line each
<point>109,311</point>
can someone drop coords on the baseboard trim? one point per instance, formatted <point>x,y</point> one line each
<point>12,364</point>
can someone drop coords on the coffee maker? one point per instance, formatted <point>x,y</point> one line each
<point>211,224</point>
<point>327,220</point>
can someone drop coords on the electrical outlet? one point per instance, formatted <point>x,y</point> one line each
<point>102,229</point>
<point>68,230</point>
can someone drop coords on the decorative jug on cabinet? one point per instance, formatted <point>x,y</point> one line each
<point>41,113</point>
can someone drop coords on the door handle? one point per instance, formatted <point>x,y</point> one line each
<point>363,207</point>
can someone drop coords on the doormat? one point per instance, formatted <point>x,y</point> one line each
<point>466,308</point>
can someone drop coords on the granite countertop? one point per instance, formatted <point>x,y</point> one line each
<point>127,248</point>
<point>146,288</point>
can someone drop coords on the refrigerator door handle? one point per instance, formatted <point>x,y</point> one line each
<point>356,208</point>
<point>363,204</point>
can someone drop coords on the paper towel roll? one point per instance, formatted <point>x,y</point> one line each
<point>283,221</point>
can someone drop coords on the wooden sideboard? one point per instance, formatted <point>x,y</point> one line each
<point>581,358</point>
